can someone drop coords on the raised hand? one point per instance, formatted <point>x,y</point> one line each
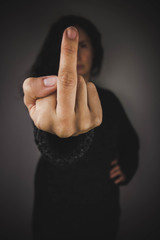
<point>75,107</point>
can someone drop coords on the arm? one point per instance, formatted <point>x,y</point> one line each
<point>128,145</point>
<point>64,118</point>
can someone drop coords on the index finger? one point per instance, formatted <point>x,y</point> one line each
<point>67,75</point>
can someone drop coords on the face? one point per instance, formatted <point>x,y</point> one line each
<point>85,55</point>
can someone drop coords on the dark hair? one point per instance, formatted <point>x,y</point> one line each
<point>47,61</point>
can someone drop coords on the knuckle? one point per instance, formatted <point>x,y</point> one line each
<point>27,85</point>
<point>69,49</point>
<point>80,126</point>
<point>64,133</point>
<point>39,121</point>
<point>81,80</point>
<point>83,126</point>
<point>91,86</point>
<point>67,79</point>
<point>83,123</point>
<point>42,122</point>
<point>97,120</point>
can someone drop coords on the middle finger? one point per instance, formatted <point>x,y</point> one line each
<point>67,75</point>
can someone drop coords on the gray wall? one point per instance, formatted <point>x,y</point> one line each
<point>131,42</point>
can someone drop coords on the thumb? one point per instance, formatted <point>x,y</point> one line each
<point>40,87</point>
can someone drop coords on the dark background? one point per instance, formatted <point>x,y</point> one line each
<point>130,33</point>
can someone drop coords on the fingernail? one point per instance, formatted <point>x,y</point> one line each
<point>50,81</point>
<point>71,33</point>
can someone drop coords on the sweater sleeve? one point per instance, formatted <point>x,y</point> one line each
<point>128,143</point>
<point>62,151</point>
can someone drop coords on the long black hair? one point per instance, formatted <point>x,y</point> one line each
<point>47,61</point>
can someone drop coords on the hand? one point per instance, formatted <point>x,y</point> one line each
<point>117,172</point>
<point>75,107</point>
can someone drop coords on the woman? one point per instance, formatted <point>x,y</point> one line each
<point>88,146</point>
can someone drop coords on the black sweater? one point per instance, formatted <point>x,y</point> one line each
<point>75,171</point>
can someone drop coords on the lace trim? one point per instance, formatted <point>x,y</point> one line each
<point>57,157</point>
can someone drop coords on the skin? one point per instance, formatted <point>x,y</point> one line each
<point>117,172</point>
<point>69,105</point>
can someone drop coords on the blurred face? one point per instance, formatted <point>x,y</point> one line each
<point>85,55</point>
